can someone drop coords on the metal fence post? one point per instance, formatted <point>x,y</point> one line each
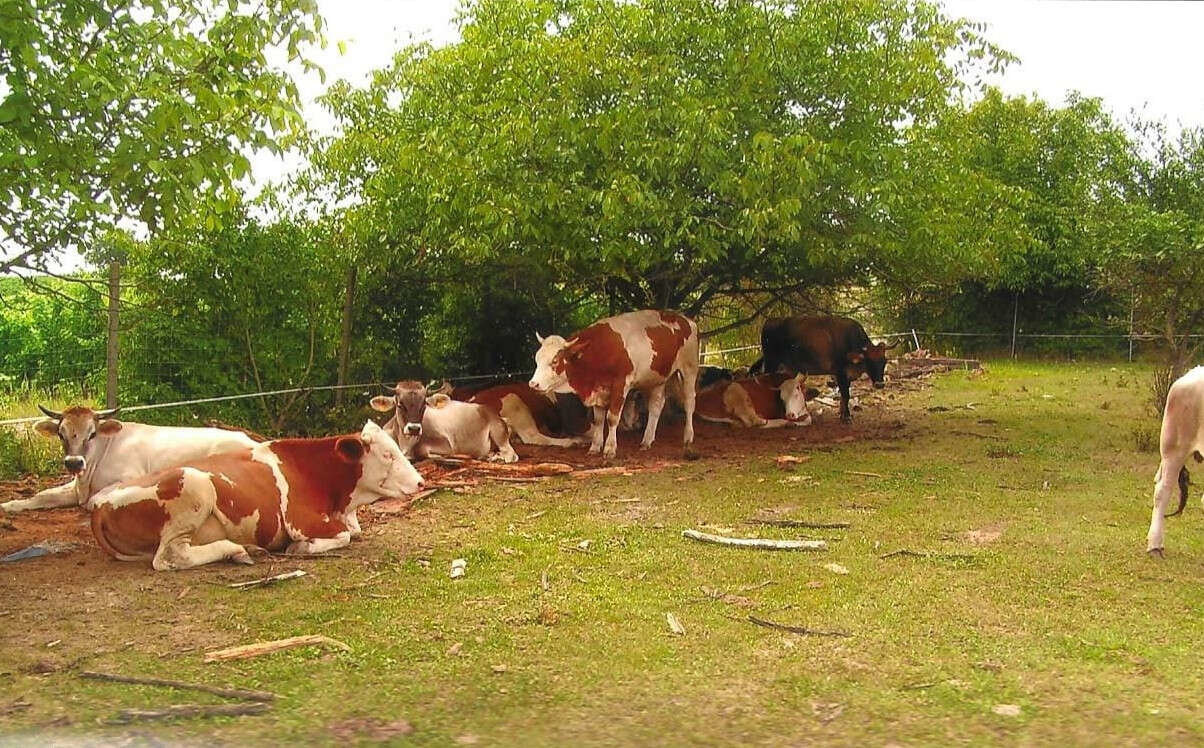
<point>111,349</point>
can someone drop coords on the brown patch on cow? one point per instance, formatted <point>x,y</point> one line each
<point>242,487</point>
<point>667,340</point>
<point>593,361</point>
<point>319,482</point>
<point>543,411</point>
<point>711,402</point>
<point>765,394</point>
<point>133,529</point>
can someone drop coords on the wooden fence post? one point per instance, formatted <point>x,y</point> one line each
<point>111,348</point>
<point>1015,317</point>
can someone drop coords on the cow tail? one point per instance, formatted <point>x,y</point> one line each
<point>1184,486</point>
<point>98,531</point>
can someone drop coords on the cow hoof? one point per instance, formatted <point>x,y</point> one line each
<point>1155,553</point>
<point>594,450</point>
<point>645,447</point>
<point>690,453</point>
<point>242,558</point>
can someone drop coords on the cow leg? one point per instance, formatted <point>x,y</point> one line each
<point>842,381</point>
<point>1166,486</point>
<point>689,386</point>
<point>179,553</point>
<point>51,498</point>
<point>321,545</point>
<point>656,403</point>
<point>499,438</point>
<point>353,524</point>
<point>596,431</point>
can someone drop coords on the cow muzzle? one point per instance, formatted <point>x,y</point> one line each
<point>535,386</point>
<point>412,429</point>
<point>75,465</point>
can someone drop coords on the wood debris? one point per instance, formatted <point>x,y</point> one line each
<point>928,554</point>
<point>247,651</point>
<point>794,629</point>
<point>675,625</point>
<point>759,543</point>
<point>296,573</point>
<point>229,693</point>
<point>179,711</point>
<point>798,523</point>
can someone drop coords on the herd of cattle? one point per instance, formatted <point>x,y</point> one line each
<point>184,496</point>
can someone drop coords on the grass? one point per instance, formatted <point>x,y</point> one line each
<point>1058,613</point>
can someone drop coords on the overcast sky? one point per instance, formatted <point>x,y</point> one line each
<point>1140,54</point>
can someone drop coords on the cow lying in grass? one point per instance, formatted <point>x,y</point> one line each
<point>1182,436</point>
<point>425,425</point>
<point>297,495</point>
<point>99,450</point>
<point>768,401</point>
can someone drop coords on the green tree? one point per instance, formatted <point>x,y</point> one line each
<point>662,153</point>
<point>120,110</point>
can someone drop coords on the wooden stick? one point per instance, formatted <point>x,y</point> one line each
<point>762,543</point>
<point>798,523</point>
<point>863,474</point>
<point>229,693</point>
<point>126,716</point>
<point>675,625</point>
<point>266,580</point>
<point>794,629</point>
<point>512,478</point>
<point>926,554</point>
<point>261,648</point>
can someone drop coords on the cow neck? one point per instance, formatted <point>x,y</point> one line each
<point>83,482</point>
<point>312,468</point>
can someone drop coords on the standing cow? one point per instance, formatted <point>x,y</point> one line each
<point>822,345</point>
<point>1182,436</point>
<point>100,450</point>
<point>633,351</point>
<point>426,425</point>
<point>298,495</point>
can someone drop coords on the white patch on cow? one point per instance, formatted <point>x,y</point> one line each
<point>793,394</point>
<point>384,470</point>
<point>1182,435</point>
<point>545,379</point>
<point>119,496</point>
<point>263,453</point>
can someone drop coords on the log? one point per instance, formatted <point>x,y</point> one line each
<point>927,554</point>
<point>261,648</point>
<point>761,543</point>
<point>794,629</point>
<point>799,523</point>
<point>266,580</point>
<point>229,693</point>
<point>126,716</point>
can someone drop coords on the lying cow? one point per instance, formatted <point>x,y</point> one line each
<point>633,351</point>
<point>100,450</point>
<point>769,401</point>
<point>1182,436</point>
<point>297,495</point>
<point>822,345</point>
<point>532,416</point>
<point>426,425</point>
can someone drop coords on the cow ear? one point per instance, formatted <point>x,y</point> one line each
<point>382,403</point>
<point>438,401</point>
<point>856,357</point>
<point>108,427</point>
<point>350,448</point>
<point>47,428</point>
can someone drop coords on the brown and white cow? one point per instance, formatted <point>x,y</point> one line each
<point>532,416</point>
<point>298,495</point>
<point>100,450</point>
<point>426,425</point>
<point>769,401</point>
<point>632,351</point>
<point>1182,437</point>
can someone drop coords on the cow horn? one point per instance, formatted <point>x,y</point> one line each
<point>103,414</point>
<point>539,338</point>
<point>50,413</point>
<point>391,389</point>
<point>893,345</point>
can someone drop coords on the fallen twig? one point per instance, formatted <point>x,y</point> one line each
<point>798,523</point>
<point>675,625</point>
<point>794,629</point>
<point>927,554</point>
<point>229,693</point>
<point>261,648</point>
<point>512,478</point>
<point>980,436</point>
<point>266,580</point>
<point>762,543</point>
<point>126,716</point>
<point>863,474</point>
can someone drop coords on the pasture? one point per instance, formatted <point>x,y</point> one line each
<point>1035,618</point>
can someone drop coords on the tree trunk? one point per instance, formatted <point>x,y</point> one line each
<point>111,349</point>
<point>345,335</point>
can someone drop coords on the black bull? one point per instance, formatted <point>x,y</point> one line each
<point>822,345</point>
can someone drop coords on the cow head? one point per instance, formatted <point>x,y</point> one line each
<point>871,360</point>
<point>793,393</point>
<point>552,360</point>
<point>77,428</point>
<point>409,401</point>
<point>384,470</point>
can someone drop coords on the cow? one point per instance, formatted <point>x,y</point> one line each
<point>709,375</point>
<point>768,401</point>
<point>426,425</point>
<point>602,363</point>
<point>532,416</point>
<point>1182,436</point>
<point>822,345</point>
<point>296,495</point>
<point>99,450</point>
